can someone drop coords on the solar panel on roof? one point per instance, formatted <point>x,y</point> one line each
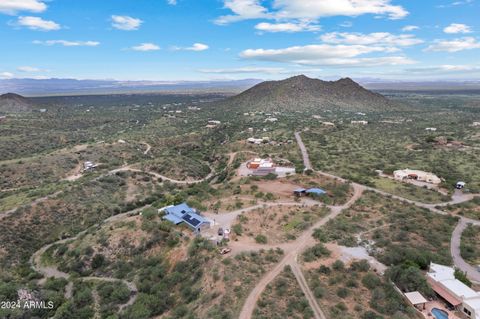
<point>191,220</point>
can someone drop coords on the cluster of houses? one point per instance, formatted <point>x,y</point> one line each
<point>406,174</point>
<point>213,124</point>
<point>258,141</point>
<point>261,167</point>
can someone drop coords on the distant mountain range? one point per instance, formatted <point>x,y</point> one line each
<point>36,87</point>
<point>14,103</point>
<point>300,93</point>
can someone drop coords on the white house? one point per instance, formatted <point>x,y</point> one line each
<point>432,129</point>
<point>359,122</point>
<point>453,291</point>
<point>421,176</point>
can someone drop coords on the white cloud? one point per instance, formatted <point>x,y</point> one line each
<point>287,27</point>
<point>243,10</point>
<point>14,6</point>
<point>37,23</point>
<point>146,47</point>
<point>455,28</point>
<point>125,23</point>
<point>198,47</point>
<point>325,54</point>
<point>455,45</point>
<point>195,47</point>
<point>409,28</point>
<point>308,9</point>
<point>66,43</point>
<point>172,2</point>
<point>28,69</point>
<point>6,75</point>
<point>247,69</point>
<point>326,8</point>
<point>376,38</point>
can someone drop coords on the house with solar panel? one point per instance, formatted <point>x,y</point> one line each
<point>183,213</point>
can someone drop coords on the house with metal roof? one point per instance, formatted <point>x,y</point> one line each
<point>316,191</point>
<point>183,213</point>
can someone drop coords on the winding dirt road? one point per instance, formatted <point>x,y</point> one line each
<point>472,273</point>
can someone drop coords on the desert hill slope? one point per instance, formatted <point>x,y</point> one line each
<point>300,93</point>
<point>13,103</point>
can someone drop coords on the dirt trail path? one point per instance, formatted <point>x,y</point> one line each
<point>120,169</point>
<point>51,271</point>
<point>317,311</point>
<point>163,177</point>
<point>149,147</point>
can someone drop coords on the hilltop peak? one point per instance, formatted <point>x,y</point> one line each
<point>12,103</point>
<point>301,93</point>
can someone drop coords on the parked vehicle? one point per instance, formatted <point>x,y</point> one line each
<point>224,251</point>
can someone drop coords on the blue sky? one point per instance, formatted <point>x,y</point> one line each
<point>234,39</point>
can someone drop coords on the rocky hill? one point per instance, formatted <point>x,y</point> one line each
<point>301,93</point>
<point>13,103</point>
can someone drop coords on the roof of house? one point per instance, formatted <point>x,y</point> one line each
<point>445,294</point>
<point>473,303</point>
<point>317,191</point>
<point>184,213</point>
<point>174,219</point>
<point>459,288</point>
<point>440,272</point>
<point>415,298</point>
<point>443,281</point>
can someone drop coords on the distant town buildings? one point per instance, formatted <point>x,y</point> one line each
<point>328,123</point>
<point>89,166</point>
<point>271,119</point>
<point>421,176</point>
<point>253,140</point>
<point>359,122</point>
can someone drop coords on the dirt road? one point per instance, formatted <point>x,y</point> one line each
<point>317,311</point>
<point>303,150</point>
<point>472,273</point>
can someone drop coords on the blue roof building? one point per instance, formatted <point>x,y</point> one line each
<point>183,213</point>
<point>316,191</point>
